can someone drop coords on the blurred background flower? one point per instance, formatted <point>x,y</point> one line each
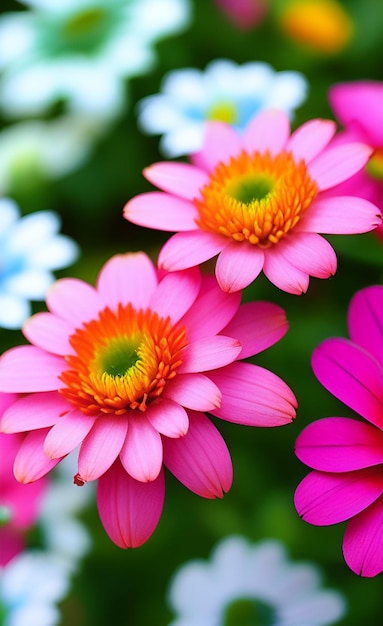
<point>244,13</point>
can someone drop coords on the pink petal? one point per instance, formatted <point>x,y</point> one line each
<point>339,215</point>
<point>129,510</point>
<point>200,460</point>
<point>161,211</point>
<point>49,332</point>
<point>352,376</point>
<point>67,433</point>
<point>141,454</point>
<point>168,418</point>
<point>74,301</point>
<point>26,369</point>
<point>282,274</point>
<point>11,543</point>
<point>176,293</point>
<point>221,142</point>
<point>310,139</point>
<point>365,320</point>
<point>360,102</point>
<point>199,321</point>
<point>324,498</point>
<point>37,410</point>
<point>339,444</point>
<point>194,391</point>
<point>363,541</point>
<point>180,179</point>
<point>101,446</point>
<point>309,253</point>
<point>127,278</point>
<point>238,265</point>
<point>31,463</point>
<point>257,326</point>
<point>253,396</point>
<point>338,163</point>
<point>191,248</point>
<point>209,353</point>
<point>269,130</point>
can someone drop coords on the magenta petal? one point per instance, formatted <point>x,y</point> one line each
<point>176,293</point>
<point>340,215</point>
<point>12,542</point>
<point>209,353</point>
<point>221,142</point>
<point>257,326</point>
<point>325,498</point>
<point>127,278</point>
<point>168,418</point>
<point>351,375</point>
<point>101,446</point>
<point>141,454</point>
<point>310,139</point>
<point>363,541</point>
<point>338,163</point>
<point>191,248</point>
<point>238,265</point>
<point>67,433</point>
<point>194,391</point>
<point>180,179</point>
<point>49,332</point>
<point>282,274</point>
<point>253,396</point>
<point>31,463</point>
<point>200,460</point>
<point>310,253</point>
<point>74,301</point>
<point>161,211</point>
<point>360,102</point>
<point>129,510</point>
<point>269,130</point>
<point>339,444</point>
<point>365,320</point>
<point>34,411</point>
<point>26,369</point>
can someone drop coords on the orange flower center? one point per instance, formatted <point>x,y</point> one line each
<point>257,197</point>
<point>123,360</point>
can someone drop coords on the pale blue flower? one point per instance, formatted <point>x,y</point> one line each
<point>246,583</point>
<point>79,51</point>
<point>30,249</point>
<point>224,91</point>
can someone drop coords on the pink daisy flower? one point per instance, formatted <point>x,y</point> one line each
<point>359,107</point>
<point>257,200</point>
<point>346,454</point>
<point>19,504</point>
<point>126,371</point>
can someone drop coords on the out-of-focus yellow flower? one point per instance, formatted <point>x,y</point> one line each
<point>322,25</point>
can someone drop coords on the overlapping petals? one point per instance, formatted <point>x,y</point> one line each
<point>125,371</point>
<point>347,454</point>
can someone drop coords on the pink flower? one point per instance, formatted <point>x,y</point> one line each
<point>126,371</point>
<point>346,454</point>
<point>258,200</point>
<point>19,504</point>
<point>244,13</point>
<point>359,107</point>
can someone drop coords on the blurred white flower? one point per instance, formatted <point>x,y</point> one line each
<point>30,249</point>
<point>78,51</point>
<point>31,585</point>
<point>246,583</point>
<point>224,91</point>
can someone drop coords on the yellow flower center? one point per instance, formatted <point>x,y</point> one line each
<point>123,361</point>
<point>223,112</point>
<point>257,197</point>
<point>375,164</point>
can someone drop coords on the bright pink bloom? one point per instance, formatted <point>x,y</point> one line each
<point>244,13</point>
<point>126,371</point>
<point>347,454</point>
<point>359,107</point>
<point>19,504</point>
<point>258,200</point>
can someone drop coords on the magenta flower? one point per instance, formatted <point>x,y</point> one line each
<point>359,107</point>
<point>346,454</point>
<point>244,14</point>
<point>126,371</point>
<point>258,200</point>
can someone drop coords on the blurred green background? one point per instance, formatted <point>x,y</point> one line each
<point>129,587</point>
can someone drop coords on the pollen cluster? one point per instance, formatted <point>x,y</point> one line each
<point>123,360</point>
<point>257,197</point>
